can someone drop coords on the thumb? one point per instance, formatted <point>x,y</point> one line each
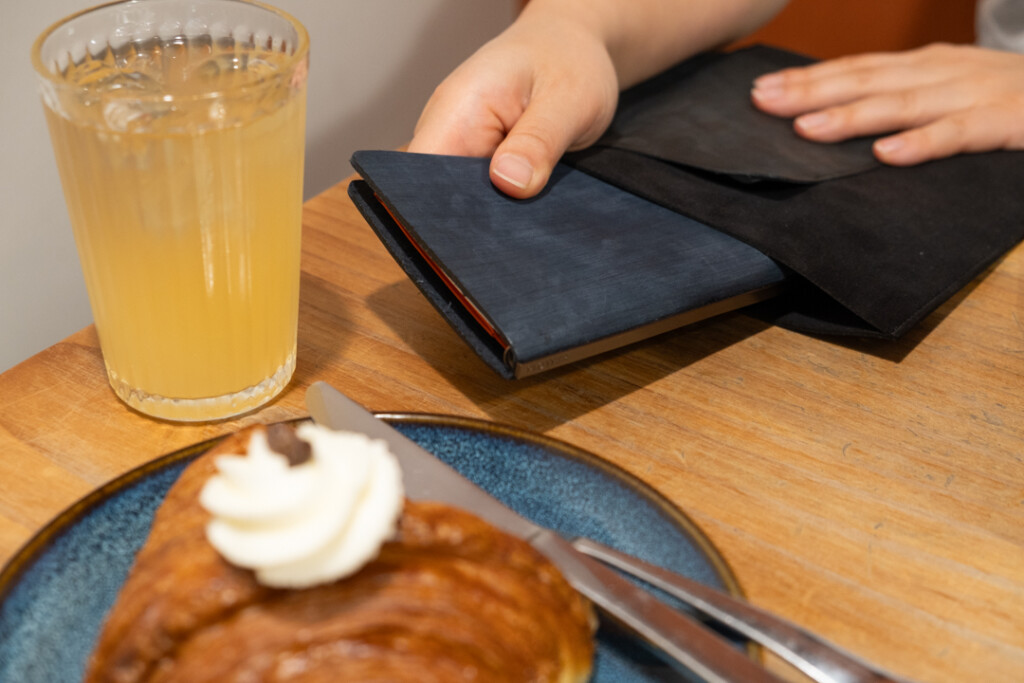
<point>522,163</point>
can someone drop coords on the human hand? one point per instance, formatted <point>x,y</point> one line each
<point>941,99</point>
<point>524,98</point>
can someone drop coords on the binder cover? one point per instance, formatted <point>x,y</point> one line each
<point>533,284</point>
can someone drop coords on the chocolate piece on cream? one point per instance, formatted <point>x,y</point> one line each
<point>282,439</point>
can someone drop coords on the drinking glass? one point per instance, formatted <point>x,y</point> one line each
<point>179,127</point>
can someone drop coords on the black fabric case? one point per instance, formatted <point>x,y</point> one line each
<point>878,248</point>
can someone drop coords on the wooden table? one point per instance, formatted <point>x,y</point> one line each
<point>873,492</point>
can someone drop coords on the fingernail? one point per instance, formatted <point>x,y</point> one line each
<point>513,169</point>
<point>888,145</point>
<point>770,81</point>
<point>812,121</point>
<point>764,93</point>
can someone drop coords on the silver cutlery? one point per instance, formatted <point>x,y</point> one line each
<point>681,640</point>
<point>818,659</point>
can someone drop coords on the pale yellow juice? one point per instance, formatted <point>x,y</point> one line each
<point>187,212</point>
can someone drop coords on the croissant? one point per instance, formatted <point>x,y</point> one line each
<point>449,598</point>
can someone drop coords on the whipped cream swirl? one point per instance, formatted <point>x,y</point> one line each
<point>300,525</point>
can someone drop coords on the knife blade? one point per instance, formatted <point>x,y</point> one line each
<point>682,641</point>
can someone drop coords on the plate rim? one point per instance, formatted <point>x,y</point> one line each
<point>694,532</point>
<point>37,544</point>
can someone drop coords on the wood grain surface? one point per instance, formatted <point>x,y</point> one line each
<point>871,491</point>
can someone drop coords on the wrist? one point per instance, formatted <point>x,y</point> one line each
<point>644,37</point>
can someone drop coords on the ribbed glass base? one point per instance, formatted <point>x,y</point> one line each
<point>204,409</point>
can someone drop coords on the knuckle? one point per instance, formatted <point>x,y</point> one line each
<point>532,142</point>
<point>939,50</point>
<point>1009,122</point>
<point>947,136</point>
<point>909,103</point>
<point>957,127</point>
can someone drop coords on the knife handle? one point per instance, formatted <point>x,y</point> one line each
<point>815,657</point>
<point>686,643</point>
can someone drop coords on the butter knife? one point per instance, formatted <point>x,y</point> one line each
<point>681,640</point>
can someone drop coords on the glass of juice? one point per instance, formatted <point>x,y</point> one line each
<point>179,129</point>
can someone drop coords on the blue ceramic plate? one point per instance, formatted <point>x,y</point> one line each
<point>56,590</point>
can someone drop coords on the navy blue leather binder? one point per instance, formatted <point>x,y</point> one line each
<point>581,269</point>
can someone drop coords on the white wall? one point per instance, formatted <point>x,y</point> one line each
<point>373,65</point>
